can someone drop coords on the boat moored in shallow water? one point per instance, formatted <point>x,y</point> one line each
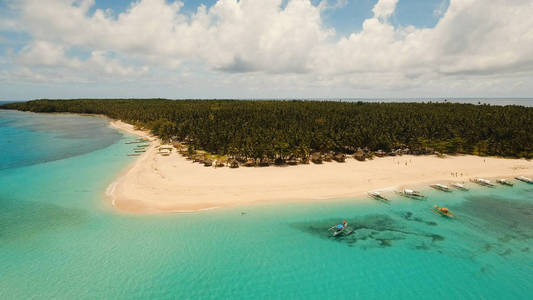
<point>411,194</point>
<point>504,182</point>
<point>442,211</point>
<point>341,229</point>
<point>377,196</point>
<point>524,179</point>
<point>460,186</point>
<point>441,187</point>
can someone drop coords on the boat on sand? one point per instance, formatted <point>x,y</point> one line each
<point>460,186</point>
<point>524,179</point>
<point>481,181</point>
<point>441,187</point>
<point>377,196</point>
<point>411,194</point>
<point>504,182</point>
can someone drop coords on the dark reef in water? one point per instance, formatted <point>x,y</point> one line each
<point>376,231</point>
<point>409,216</point>
<point>484,226</point>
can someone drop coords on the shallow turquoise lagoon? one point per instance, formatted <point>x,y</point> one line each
<point>59,238</point>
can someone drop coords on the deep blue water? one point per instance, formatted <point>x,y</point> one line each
<point>32,139</point>
<point>60,239</point>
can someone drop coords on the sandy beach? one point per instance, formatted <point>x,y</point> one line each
<point>155,183</point>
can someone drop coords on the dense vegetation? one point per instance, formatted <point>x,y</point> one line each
<point>274,129</point>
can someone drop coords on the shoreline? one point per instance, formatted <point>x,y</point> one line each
<point>170,184</point>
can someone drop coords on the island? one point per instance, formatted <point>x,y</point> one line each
<point>205,154</point>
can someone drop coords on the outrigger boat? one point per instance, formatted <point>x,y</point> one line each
<point>134,154</point>
<point>442,211</point>
<point>504,182</point>
<point>136,142</point>
<point>460,186</point>
<point>411,194</point>
<point>524,179</point>
<point>441,187</point>
<point>341,229</point>
<point>164,153</point>
<point>377,196</point>
<point>482,181</point>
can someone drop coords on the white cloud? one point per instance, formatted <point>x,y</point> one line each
<point>50,60</point>
<point>43,53</point>
<point>384,9</point>
<point>332,4</point>
<point>441,9</point>
<point>259,42</point>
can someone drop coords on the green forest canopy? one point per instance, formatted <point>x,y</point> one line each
<point>272,129</point>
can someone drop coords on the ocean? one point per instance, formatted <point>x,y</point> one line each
<point>60,238</point>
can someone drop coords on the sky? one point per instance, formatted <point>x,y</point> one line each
<point>265,49</point>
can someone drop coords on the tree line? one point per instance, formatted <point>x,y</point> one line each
<point>274,129</point>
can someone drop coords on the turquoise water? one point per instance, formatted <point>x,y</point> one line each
<point>60,239</point>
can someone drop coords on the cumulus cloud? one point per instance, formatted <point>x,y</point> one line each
<point>384,9</point>
<point>50,59</point>
<point>273,41</point>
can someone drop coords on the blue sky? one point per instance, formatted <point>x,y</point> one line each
<point>265,48</point>
<point>347,19</point>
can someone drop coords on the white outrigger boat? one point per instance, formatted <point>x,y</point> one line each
<point>504,182</point>
<point>441,187</point>
<point>524,179</point>
<point>482,181</point>
<point>377,196</point>
<point>411,194</point>
<point>460,186</point>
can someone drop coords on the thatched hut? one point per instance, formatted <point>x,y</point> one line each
<point>440,155</point>
<point>380,153</point>
<point>219,164</point>
<point>316,158</point>
<point>340,157</point>
<point>208,163</point>
<point>240,158</point>
<point>359,155</point>
<point>349,149</point>
<point>292,162</point>
<point>264,162</point>
<point>198,158</point>
<point>233,164</point>
<point>249,163</point>
<point>328,157</point>
<point>279,161</point>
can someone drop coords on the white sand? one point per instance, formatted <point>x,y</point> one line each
<point>156,183</point>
